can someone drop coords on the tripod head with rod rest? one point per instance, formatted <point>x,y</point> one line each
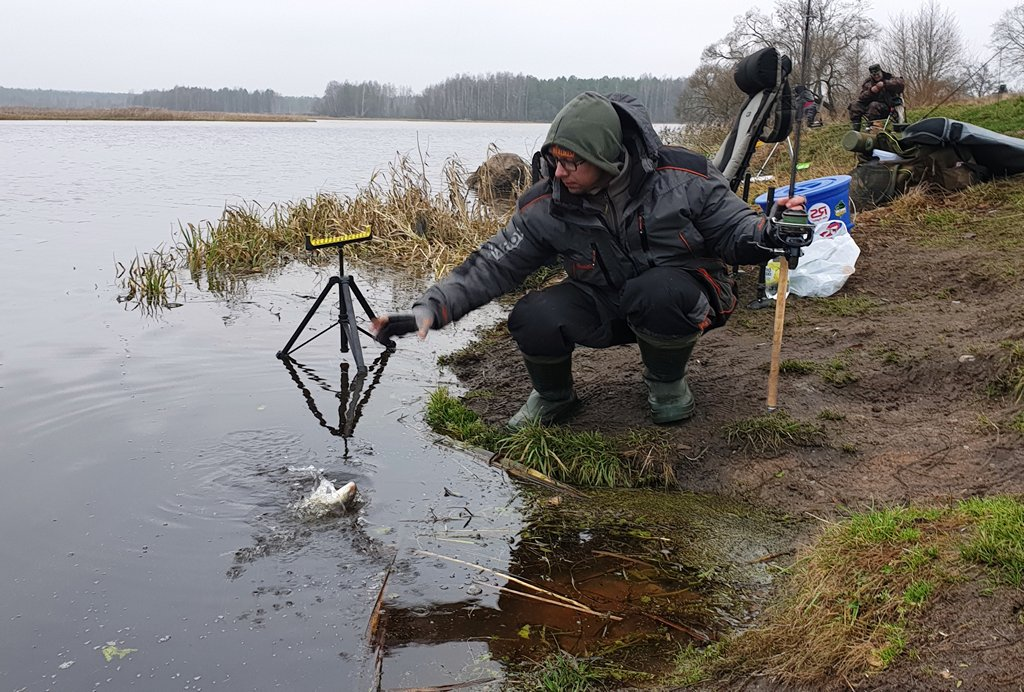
<point>346,289</point>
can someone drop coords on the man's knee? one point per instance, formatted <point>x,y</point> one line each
<point>538,323</point>
<point>666,302</point>
<point>877,111</point>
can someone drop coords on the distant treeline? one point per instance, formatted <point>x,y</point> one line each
<point>502,96</point>
<point>176,99</point>
<point>224,101</point>
<point>48,98</point>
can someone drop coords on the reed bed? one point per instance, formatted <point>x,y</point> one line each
<point>414,229</point>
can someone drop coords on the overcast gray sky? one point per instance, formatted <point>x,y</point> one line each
<point>296,47</point>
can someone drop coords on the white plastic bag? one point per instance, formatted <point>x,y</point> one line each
<point>825,265</point>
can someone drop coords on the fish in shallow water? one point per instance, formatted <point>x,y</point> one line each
<point>326,498</point>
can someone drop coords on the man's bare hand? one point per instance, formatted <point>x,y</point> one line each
<point>797,202</point>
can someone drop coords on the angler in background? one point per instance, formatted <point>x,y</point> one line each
<point>808,103</point>
<point>879,95</point>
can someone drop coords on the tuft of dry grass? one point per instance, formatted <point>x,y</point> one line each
<point>851,599</point>
<point>413,228</point>
<point>149,280</point>
<point>847,602</point>
<point>986,216</point>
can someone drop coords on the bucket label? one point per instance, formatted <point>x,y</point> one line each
<point>819,212</point>
<point>830,229</point>
<point>840,208</point>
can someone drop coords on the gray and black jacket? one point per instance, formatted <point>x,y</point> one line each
<point>679,212</point>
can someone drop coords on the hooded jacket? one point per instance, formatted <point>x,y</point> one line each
<point>678,211</point>
<point>891,88</point>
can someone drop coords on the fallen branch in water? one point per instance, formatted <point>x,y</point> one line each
<point>580,607</point>
<point>564,600</point>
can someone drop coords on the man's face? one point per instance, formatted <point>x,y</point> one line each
<point>578,176</point>
<point>876,76</point>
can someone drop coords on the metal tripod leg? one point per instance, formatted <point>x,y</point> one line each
<point>349,330</point>
<point>309,315</point>
<point>762,300</point>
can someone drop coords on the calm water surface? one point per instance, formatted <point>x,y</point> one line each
<point>149,462</point>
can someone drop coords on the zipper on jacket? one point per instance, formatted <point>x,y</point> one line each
<point>600,263</point>
<point>641,225</point>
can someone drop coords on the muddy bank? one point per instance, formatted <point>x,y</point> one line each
<point>908,373</point>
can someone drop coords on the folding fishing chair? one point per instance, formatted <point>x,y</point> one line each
<point>766,116</point>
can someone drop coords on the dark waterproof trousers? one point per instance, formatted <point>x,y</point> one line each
<point>663,302</point>
<point>874,110</point>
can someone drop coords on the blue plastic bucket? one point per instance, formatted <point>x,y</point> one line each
<point>828,199</point>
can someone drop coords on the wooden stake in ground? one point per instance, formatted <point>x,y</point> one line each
<point>780,320</point>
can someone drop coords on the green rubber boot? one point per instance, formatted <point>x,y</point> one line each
<point>665,362</point>
<point>553,398</point>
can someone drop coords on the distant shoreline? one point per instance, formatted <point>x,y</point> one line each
<point>162,114</point>
<point>30,113</point>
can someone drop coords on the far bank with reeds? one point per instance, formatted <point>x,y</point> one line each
<point>156,114</point>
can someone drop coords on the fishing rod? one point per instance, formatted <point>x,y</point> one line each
<point>793,230</point>
<point>961,84</point>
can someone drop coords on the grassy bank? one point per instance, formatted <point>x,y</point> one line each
<point>851,602</point>
<point>19,113</point>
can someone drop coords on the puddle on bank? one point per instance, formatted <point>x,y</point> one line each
<point>628,576</point>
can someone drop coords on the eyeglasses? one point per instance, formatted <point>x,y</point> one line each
<point>568,165</point>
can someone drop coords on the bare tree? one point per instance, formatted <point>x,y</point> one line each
<point>840,31</point>
<point>711,97</point>
<point>977,77</point>
<point>1008,37</point>
<point>926,50</point>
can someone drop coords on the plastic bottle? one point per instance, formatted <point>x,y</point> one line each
<point>771,279</point>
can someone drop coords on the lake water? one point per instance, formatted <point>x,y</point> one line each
<point>151,461</point>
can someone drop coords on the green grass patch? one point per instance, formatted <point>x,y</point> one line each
<point>831,414</point>
<point>983,218</point>
<point>1005,116</point>
<point>694,664</point>
<point>837,373</point>
<point>450,417</point>
<point>562,671</point>
<point>583,458</point>
<point>998,540</point>
<point>849,600</point>
<point>150,280</point>
<point>798,367</point>
<point>773,431</point>
<point>891,356</point>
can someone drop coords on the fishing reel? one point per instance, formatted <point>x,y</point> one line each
<point>790,232</point>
